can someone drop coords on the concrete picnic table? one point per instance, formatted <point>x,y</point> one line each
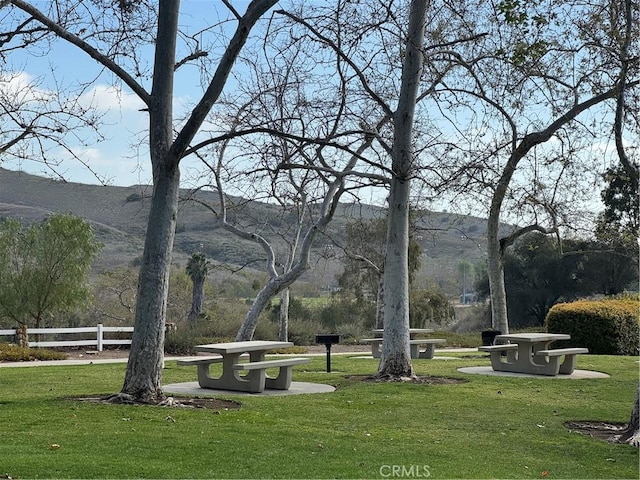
<point>414,343</point>
<point>530,353</point>
<point>256,380</point>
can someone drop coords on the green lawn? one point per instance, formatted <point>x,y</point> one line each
<point>488,427</point>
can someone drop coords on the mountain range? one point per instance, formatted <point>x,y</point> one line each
<point>119,215</point>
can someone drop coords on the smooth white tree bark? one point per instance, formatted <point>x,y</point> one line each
<point>395,360</point>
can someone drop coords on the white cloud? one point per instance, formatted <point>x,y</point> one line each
<point>108,98</point>
<point>19,88</point>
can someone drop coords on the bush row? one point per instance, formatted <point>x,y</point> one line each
<point>609,326</point>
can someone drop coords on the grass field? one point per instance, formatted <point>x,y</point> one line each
<point>487,427</point>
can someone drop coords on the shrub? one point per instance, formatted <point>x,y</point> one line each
<point>180,342</point>
<point>303,332</point>
<point>609,326</point>
<point>14,353</point>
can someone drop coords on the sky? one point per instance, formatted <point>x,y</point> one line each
<point>120,158</point>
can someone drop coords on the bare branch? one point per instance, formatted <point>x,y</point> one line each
<point>84,46</point>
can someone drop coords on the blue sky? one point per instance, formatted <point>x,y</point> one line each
<point>121,158</point>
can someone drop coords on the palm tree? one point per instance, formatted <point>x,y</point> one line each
<point>197,269</point>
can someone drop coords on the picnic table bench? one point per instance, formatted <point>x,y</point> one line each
<point>415,344</point>
<point>530,353</point>
<point>256,380</point>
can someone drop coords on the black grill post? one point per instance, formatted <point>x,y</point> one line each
<point>328,339</point>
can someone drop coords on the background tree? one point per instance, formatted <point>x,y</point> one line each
<point>364,252</point>
<point>44,268</point>
<point>621,216</point>
<point>540,271</point>
<point>197,270</point>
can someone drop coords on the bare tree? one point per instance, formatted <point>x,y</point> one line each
<point>125,29</point>
<point>396,358</point>
<point>382,49</point>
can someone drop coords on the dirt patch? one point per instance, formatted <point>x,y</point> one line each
<point>172,402</point>
<point>607,431</point>
<point>420,380</point>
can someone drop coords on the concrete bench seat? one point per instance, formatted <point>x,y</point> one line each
<point>187,362</point>
<point>257,373</point>
<point>568,366</point>
<point>562,351</point>
<point>206,361</point>
<point>497,351</point>
<point>284,362</point>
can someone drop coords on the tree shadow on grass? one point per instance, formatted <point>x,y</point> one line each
<point>611,432</point>
<point>419,380</point>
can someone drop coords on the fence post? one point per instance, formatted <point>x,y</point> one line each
<point>100,337</point>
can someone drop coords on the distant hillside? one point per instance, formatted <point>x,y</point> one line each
<point>119,216</point>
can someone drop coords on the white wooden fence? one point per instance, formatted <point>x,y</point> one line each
<point>97,338</point>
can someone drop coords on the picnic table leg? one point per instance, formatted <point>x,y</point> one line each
<point>568,366</point>
<point>429,351</point>
<point>282,381</point>
<point>376,350</point>
<point>256,379</point>
<point>529,362</point>
<point>503,365</point>
<point>227,377</point>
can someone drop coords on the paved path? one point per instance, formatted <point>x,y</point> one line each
<point>97,361</point>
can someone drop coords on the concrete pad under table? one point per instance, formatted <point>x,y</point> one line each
<point>296,388</point>
<point>577,374</point>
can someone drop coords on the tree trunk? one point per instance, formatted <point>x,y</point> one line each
<point>22,336</point>
<point>248,327</point>
<point>283,326</point>
<point>495,259</point>
<point>144,369</point>
<point>197,298</point>
<point>380,303</point>
<point>143,380</point>
<point>396,355</point>
<point>395,360</point>
<point>632,433</point>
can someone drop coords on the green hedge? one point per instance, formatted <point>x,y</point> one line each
<point>609,326</point>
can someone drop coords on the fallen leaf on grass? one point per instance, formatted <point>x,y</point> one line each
<point>54,446</point>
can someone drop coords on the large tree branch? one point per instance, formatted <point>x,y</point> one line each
<point>536,138</point>
<point>255,10</point>
<point>510,239</point>
<point>15,141</point>
<point>631,169</point>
